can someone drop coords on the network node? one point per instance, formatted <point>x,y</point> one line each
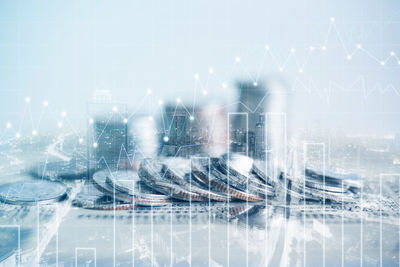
<point>392,53</point>
<point>237,59</point>
<point>267,47</point>
<point>211,70</point>
<point>191,118</point>
<point>8,125</point>
<point>300,70</point>
<point>160,102</point>
<point>196,76</point>
<point>149,91</point>
<point>348,57</point>
<point>312,48</point>
<point>398,62</point>
<point>255,84</point>
<point>60,124</point>
<point>91,121</point>
<point>205,92</point>
<point>323,48</point>
<point>224,85</point>
<point>125,120</point>
<point>34,132</point>
<point>150,118</point>
<point>166,139</point>
<point>382,63</point>
<point>292,50</point>
<point>95,144</point>
<point>27,100</point>
<point>64,114</point>
<point>332,19</point>
<point>178,100</point>
<point>45,103</point>
<point>115,109</point>
<point>80,140</point>
<point>359,46</point>
<point>280,69</point>
<point>18,135</point>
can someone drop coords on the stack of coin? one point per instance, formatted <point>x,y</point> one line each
<point>323,185</point>
<point>228,178</point>
<point>125,186</point>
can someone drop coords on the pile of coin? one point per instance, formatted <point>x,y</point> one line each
<point>228,178</point>
<point>318,184</point>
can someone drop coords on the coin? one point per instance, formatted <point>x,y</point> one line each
<point>89,196</point>
<point>248,184</point>
<point>99,181</point>
<point>150,172</point>
<point>67,170</point>
<point>221,186</point>
<point>338,176</point>
<point>299,187</point>
<point>128,182</point>
<point>32,192</point>
<point>182,176</point>
<point>236,164</point>
<point>264,170</point>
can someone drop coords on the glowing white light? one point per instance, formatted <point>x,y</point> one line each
<point>125,120</point>
<point>60,124</point>
<point>205,92</point>
<point>34,132</point>
<point>178,100</point>
<point>255,84</point>
<point>191,118</point>
<point>398,62</point>
<point>80,140</point>
<point>348,57</point>
<point>115,109</point>
<point>382,63</point>
<point>300,70</point>
<point>150,118</point>
<point>312,48</point>
<point>160,102</point>
<point>292,50</point>
<point>166,139</point>
<point>8,125</point>
<point>224,85</point>
<point>64,114</point>
<point>237,59</point>
<point>27,99</point>
<point>95,144</point>
<point>323,48</point>
<point>196,76</point>
<point>359,46</point>
<point>91,121</point>
<point>267,47</point>
<point>18,135</point>
<point>149,91</point>
<point>280,69</point>
<point>392,53</point>
<point>332,19</point>
<point>45,103</point>
<point>211,70</point>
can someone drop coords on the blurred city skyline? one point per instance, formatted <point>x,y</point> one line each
<point>338,60</point>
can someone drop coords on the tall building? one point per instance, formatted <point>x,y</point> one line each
<point>107,137</point>
<point>184,135</point>
<point>259,144</point>
<point>252,99</point>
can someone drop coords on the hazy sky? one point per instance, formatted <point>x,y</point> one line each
<point>62,50</point>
